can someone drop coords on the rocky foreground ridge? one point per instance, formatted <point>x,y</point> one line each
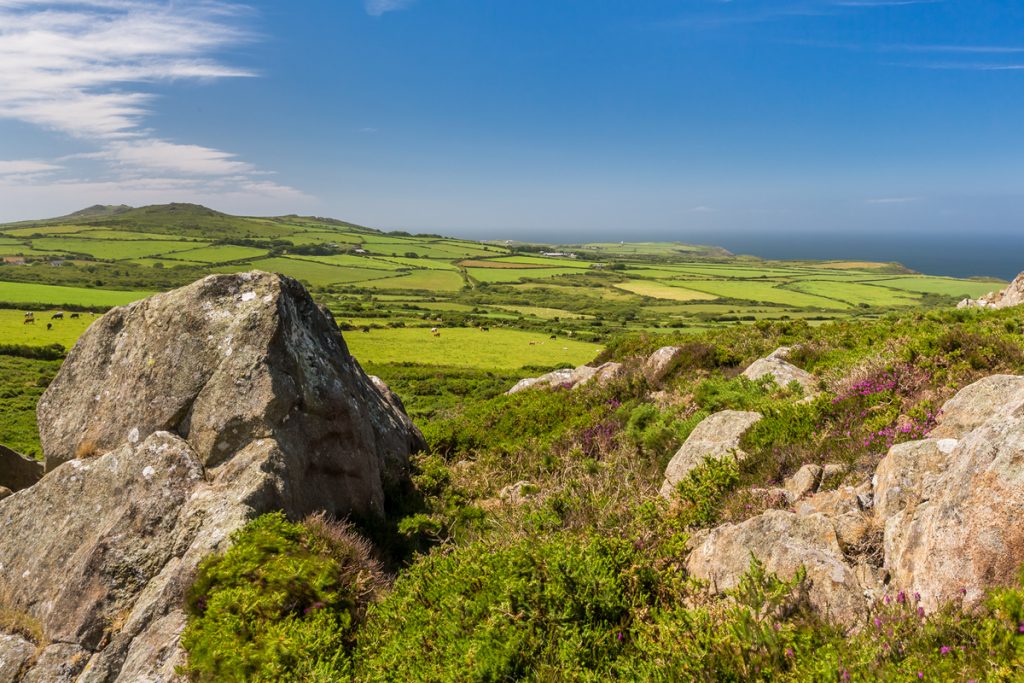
<point>1013,295</point>
<point>172,423</point>
<point>940,517</point>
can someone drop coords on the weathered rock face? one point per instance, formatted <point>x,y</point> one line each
<point>785,541</point>
<point>957,525</point>
<point>941,516</point>
<point>16,471</point>
<point>224,362</point>
<point>1013,295</point>
<point>102,549</point>
<point>782,371</point>
<point>717,436</point>
<point>572,378</point>
<point>662,362</point>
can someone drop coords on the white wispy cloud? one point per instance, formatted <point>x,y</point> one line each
<point>86,69</point>
<point>375,8</point>
<point>24,166</point>
<point>884,3</point>
<point>892,200</point>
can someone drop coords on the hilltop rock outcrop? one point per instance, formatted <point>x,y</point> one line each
<point>173,422</point>
<point>781,370</point>
<point>1013,295</point>
<point>16,471</point>
<point>940,517</point>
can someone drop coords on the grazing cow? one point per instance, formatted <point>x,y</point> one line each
<point>74,316</point>
<point>486,329</point>
<point>552,337</point>
<point>49,326</point>
<point>30,314</point>
<point>30,321</point>
<point>57,316</point>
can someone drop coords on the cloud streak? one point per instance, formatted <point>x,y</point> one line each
<point>376,8</point>
<point>87,69</point>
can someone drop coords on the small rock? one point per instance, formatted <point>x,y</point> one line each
<point>831,475</point>
<point>518,493</point>
<point>717,436</point>
<point>805,481</point>
<point>4,492</point>
<point>782,371</point>
<point>15,652</point>
<point>662,362</point>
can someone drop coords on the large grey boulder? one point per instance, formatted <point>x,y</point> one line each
<point>16,471</point>
<point>1013,295</point>
<point>957,529</point>
<point>992,398</point>
<point>100,552</point>
<point>781,370</point>
<point>224,362</point>
<point>717,436</point>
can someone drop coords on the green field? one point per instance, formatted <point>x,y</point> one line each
<point>855,293</point>
<point>64,332</point>
<point>311,272</point>
<point>763,292</point>
<point>430,280</point>
<point>942,285</point>
<point>516,274</point>
<point>219,254</point>
<point>470,348</point>
<point>114,250</point>
<point>368,262</point>
<point>659,290</point>
<point>25,293</point>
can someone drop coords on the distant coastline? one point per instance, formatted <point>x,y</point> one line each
<point>976,254</point>
<point>964,255</point>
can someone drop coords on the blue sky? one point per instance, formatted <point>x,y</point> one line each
<point>556,119</point>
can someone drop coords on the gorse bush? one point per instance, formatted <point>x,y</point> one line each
<point>552,610</point>
<point>281,604</point>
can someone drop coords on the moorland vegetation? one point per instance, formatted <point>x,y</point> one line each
<point>532,543</point>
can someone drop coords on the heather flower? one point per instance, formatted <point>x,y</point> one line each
<point>945,650</point>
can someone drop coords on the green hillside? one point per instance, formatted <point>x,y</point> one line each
<point>379,280</point>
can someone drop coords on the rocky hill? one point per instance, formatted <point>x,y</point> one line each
<point>172,423</point>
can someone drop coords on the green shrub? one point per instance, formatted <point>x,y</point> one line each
<point>281,604</point>
<point>557,609</point>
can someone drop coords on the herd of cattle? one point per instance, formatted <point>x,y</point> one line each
<point>30,318</point>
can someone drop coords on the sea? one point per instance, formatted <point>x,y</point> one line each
<point>954,255</point>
